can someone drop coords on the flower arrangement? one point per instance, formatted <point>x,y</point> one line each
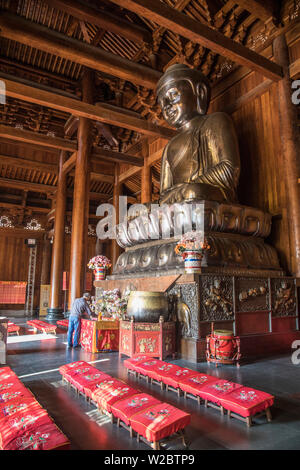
<point>192,241</point>
<point>99,261</point>
<point>111,304</point>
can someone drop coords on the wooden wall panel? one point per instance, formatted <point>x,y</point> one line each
<point>261,183</point>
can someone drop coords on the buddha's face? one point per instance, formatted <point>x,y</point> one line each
<point>178,102</point>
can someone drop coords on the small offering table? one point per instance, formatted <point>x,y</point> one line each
<point>99,335</point>
<point>153,339</point>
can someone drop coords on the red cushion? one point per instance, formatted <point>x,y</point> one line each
<point>216,390</point>
<point>149,368</point>
<point>72,365</point>
<point>133,361</point>
<point>159,421</point>
<point>78,371</point>
<point>247,401</point>
<point>47,436</point>
<point>195,382</point>
<point>18,393</point>
<point>41,325</point>
<point>14,426</point>
<point>12,327</point>
<point>125,409</point>
<point>15,407</point>
<point>112,393</point>
<point>7,374</point>
<point>81,382</point>
<point>172,375</point>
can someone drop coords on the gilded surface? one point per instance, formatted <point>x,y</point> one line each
<point>202,161</point>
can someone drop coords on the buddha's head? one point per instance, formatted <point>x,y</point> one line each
<point>182,93</point>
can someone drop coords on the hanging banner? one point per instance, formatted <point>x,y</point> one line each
<point>12,292</point>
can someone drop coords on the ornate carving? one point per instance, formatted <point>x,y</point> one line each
<point>216,298</point>
<point>185,300</point>
<point>283,292</point>
<point>252,294</point>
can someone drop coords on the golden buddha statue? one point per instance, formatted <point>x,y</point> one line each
<point>202,161</point>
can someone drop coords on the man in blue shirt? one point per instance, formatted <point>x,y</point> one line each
<point>79,308</point>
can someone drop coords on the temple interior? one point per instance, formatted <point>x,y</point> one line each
<point>149,225</point>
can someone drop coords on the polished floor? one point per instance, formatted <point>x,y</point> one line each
<point>36,363</point>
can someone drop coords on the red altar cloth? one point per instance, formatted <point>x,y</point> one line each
<point>97,336</point>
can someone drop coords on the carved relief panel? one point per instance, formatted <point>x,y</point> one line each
<point>216,298</point>
<point>283,297</point>
<point>184,305</point>
<point>252,294</point>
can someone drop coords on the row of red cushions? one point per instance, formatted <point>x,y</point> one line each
<point>148,416</point>
<point>41,325</point>
<point>235,397</point>
<point>24,424</point>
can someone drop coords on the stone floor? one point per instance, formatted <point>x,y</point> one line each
<point>36,363</point>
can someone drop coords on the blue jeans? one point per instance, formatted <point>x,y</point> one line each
<point>74,325</point>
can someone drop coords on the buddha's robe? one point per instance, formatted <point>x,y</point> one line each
<point>207,153</point>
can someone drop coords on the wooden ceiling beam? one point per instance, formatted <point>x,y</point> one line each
<point>101,112</point>
<point>10,205</point>
<point>21,135</point>
<point>118,157</point>
<point>262,9</point>
<point>26,185</point>
<point>42,38</point>
<point>104,20</point>
<point>31,164</point>
<point>199,33</point>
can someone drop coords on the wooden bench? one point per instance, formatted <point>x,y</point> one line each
<point>240,402</point>
<point>123,403</point>
<point>63,323</point>
<point>12,328</point>
<point>42,326</point>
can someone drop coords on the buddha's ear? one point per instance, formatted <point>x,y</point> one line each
<point>202,97</point>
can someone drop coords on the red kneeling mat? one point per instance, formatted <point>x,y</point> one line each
<point>194,383</point>
<point>159,421</point>
<point>111,392</point>
<point>126,409</point>
<point>247,401</point>
<point>214,391</point>
<point>133,361</point>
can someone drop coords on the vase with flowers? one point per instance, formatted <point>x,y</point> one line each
<point>192,247</point>
<point>99,264</point>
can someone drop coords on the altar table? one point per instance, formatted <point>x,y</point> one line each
<point>99,335</point>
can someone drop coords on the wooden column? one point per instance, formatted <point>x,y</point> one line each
<point>115,249</point>
<point>146,177</point>
<point>290,148</point>
<point>80,198</point>
<point>55,310</point>
<point>46,262</point>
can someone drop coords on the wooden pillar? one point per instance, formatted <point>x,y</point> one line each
<point>80,198</point>
<point>46,262</point>
<point>146,177</point>
<point>289,146</point>
<point>115,249</point>
<point>55,311</point>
